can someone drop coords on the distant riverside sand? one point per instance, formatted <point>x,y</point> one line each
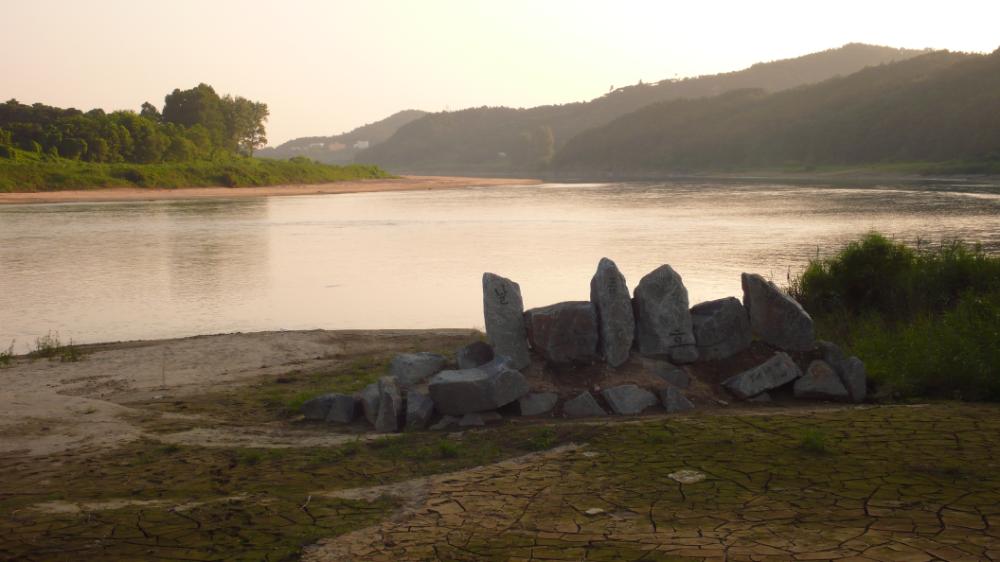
<point>405,183</point>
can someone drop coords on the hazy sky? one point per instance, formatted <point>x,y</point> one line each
<point>325,67</point>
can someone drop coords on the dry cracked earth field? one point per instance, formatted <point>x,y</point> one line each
<point>224,471</point>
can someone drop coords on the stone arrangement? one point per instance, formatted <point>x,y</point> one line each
<point>656,322</point>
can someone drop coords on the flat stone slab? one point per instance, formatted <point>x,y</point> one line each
<point>820,382</point>
<point>412,368</point>
<point>419,409</point>
<point>776,371</point>
<point>628,399</point>
<point>476,390</point>
<point>583,406</point>
<point>473,355</point>
<point>615,317</point>
<point>342,409</point>
<point>674,400</point>
<point>537,403</point>
<point>775,317</point>
<point>564,332</point>
<point>503,312</point>
<point>721,328</point>
<point>662,317</point>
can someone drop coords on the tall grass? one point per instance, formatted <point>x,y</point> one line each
<point>924,320</point>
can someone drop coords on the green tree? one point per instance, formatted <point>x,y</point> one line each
<point>150,112</point>
<point>245,123</point>
<point>198,106</point>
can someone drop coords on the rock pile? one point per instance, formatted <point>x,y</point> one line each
<point>656,322</point>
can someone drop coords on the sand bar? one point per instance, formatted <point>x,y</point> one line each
<point>405,183</point>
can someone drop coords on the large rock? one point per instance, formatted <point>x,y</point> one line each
<point>390,405</point>
<point>663,320</point>
<point>670,373</point>
<point>369,398</point>
<point>674,400</point>
<point>721,328</point>
<point>583,406</point>
<point>476,390</point>
<point>852,374</point>
<point>412,368</point>
<point>776,371</point>
<point>342,409</point>
<point>317,408</point>
<point>820,382</point>
<point>419,409</point>
<point>615,317</point>
<point>628,399</point>
<point>775,317</point>
<point>503,311</point>
<point>537,403</point>
<point>473,355</point>
<point>563,333</point>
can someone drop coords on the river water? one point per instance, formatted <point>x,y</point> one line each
<point>138,270</point>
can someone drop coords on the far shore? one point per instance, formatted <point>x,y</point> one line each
<point>405,183</point>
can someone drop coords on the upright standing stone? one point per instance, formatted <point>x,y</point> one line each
<point>721,328</point>
<point>775,317</point>
<point>852,374</point>
<point>503,311</point>
<point>412,368</point>
<point>663,320</point>
<point>390,406</point>
<point>419,409</point>
<point>615,318</point>
<point>369,398</point>
<point>563,333</point>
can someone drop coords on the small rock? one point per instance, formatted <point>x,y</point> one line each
<point>775,372</point>
<point>390,406</point>
<point>342,409</point>
<point>615,317</point>
<point>476,390</point>
<point>412,368</point>
<point>564,332</point>
<point>473,355</point>
<point>594,511</point>
<point>317,408</point>
<point>591,454</point>
<point>628,399</point>
<point>419,409</point>
<point>775,317</point>
<point>671,373</point>
<point>721,328</point>
<point>820,382</point>
<point>503,312</point>
<point>687,476</point>
<point>583,406</point>
<point>445,422</point>
<point>369,398</point>
<point>537,403</point>
<point>662,317</point>
<point>674,400</point>
<point>852,374</point>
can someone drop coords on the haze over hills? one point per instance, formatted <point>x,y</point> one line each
<point>342,148</point>
<point>936,107</point>
<point>501,139</point>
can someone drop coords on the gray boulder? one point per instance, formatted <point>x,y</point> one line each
<point>419,409</point>
<point>672,374</point>
<point>503,311</point>
<point>832,353</point>
<point>317,408</point>
<point>563,333</point>
<point>674,400</point>
<point>615,317</point>
<point>583,406</point>
<point>663,320</point>
<point>820,382</point>
<point>775,317</point>
<point>628,399</point>
<point>537,403</point>
<point>369,398</point>
<point>852,374</point>
<point>473,355</point>
<point>412,368</point>
<point>721,328</point>
<point>776,371</point>
<point>476,390</point>
<point>390,406</point>
<point>342,409</point>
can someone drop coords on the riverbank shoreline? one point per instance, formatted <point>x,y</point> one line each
<point>124,194</point>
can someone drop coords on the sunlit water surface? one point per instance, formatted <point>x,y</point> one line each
<point>122,271</point>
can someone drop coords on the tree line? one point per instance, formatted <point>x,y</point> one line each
<point>194,124</point>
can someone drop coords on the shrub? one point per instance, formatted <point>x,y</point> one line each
<point>7,356</point>
<point>8,152</point>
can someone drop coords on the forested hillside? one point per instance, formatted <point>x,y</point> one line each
<point>497,139</point>
<point>933,108</point>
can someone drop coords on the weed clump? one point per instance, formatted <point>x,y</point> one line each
<point>814,441</point>
<point>7,356</point>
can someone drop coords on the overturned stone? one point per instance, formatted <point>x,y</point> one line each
<point>503,312</point>
<point>583,406</point>
<point>776,371</point>
<point>563,333</point>
<point>820,382</point>
<point>775,317</point>
<point>476,390</point>
<point>412,368</point>
<point>342,409</point>
<point>662,316</point>
<point>674,400</point>
<point>473,355</point>
<point>537,403</point>
<point>615,317</point>
<point>419,409</point>
<point>721,328</point>
<point>390,406</point>
<point>628,399</point>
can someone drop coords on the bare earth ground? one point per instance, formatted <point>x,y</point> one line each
<point>405,183</point>
<point>190,449</point>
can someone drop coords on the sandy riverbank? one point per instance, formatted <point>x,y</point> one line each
<point>405,183</point>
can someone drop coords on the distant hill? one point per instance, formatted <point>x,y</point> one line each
<point>936,107</point>
<point>341,149</point>
<point>499,139</point>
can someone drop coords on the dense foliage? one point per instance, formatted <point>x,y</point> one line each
<point>937,107</point>
<point>926,321</point>
<point>195,124</point>
<point>491,139</point>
